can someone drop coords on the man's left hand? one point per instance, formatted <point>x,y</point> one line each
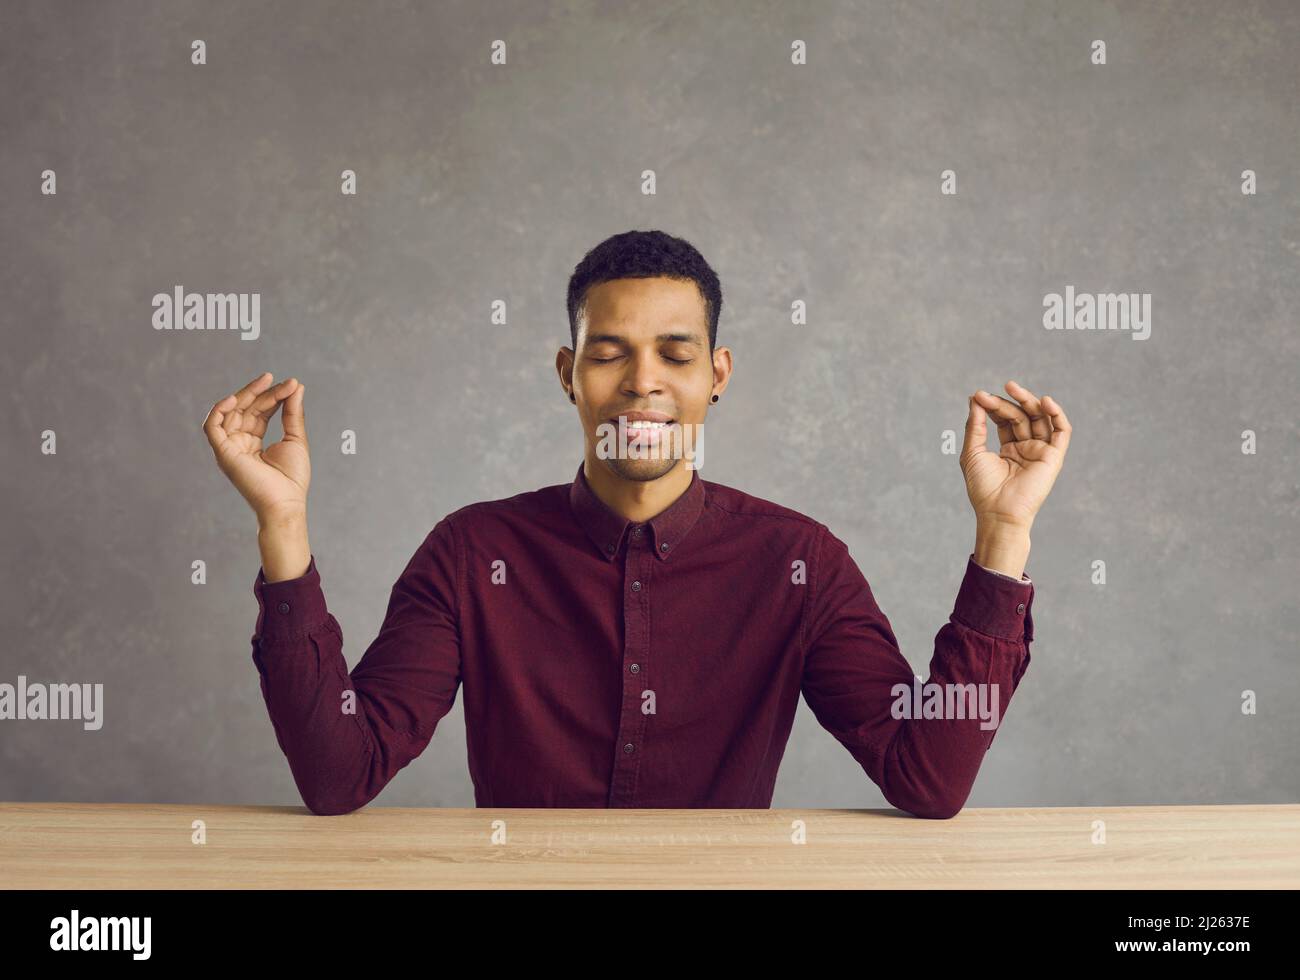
<point>1006,488</point>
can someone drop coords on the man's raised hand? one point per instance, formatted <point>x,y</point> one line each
<point>1006,488</point>
<point>274,479</point>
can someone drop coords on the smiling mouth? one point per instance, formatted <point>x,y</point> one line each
<point>643,430</point>
<point>632,424</point>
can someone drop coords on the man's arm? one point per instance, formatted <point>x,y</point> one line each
<point>856,680</point>
<point>346,735</point>
<point>853,670</point>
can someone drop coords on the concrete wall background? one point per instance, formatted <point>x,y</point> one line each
<point>816,182</point>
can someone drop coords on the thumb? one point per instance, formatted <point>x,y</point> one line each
<point>293,418</point>
<point>977,432</point>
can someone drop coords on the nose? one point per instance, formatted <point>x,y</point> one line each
<point>642,376</point>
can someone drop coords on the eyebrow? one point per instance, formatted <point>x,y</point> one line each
<point>679,338</point>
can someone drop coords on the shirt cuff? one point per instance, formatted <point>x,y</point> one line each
<point>289,608</point>
<point>995,604</point>
<point>1023,576</point>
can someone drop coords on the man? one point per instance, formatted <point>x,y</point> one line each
<point>639,637</point>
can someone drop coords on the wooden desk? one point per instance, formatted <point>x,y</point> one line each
<point>98,845</point>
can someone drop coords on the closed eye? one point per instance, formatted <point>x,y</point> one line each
<point>608,360</point>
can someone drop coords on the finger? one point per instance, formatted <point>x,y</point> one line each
<point>212,425</point>
<point>1039,426</point>
<point>245,395</point>
<point>1034,450</point>
<point>234,421</point>
<point>293,418</point>
<point>263,408</point>
<point>1060,424</point>
<point>977,433</point>
<point>265,402</point>
<point>1013,424</point>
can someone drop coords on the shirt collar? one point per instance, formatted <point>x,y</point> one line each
<point>606,528</point>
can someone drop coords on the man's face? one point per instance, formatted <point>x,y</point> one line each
<point>643,353</point>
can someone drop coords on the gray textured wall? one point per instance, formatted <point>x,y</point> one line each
<point>817,182</point>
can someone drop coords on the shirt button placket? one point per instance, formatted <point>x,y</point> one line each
<point>635,652</point>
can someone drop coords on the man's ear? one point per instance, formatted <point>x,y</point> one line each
<point>722,368</point>
<point>564,367</point>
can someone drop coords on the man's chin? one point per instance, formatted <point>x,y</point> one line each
<point>641,470</point>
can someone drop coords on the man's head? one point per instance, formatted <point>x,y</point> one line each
<point>643,320</point>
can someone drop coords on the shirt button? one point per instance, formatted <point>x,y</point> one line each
<point>636,532</point>
<point>635,668</point>
<point>284,607</point>
<point>636,586</point>
<point>609,548</point>
<point>664,546</point>
<point>1020,608</point>
<point>627,748</point>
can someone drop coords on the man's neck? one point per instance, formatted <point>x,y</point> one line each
<point>637,500</point>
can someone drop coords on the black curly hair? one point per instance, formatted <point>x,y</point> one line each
<point>642,255</point>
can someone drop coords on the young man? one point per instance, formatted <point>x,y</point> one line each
<point>638,637</point>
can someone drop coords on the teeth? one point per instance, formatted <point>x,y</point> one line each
<point>641,424</point>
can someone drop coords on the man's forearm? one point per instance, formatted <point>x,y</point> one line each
<point>1002,547</point>
<point>286,552</point>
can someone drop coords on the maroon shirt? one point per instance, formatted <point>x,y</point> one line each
<point>606,663</point>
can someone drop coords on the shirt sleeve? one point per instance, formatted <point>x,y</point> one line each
<point>862,690</point>
<point>346,735</point>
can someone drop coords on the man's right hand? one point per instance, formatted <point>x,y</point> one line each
<point>273,480</point>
